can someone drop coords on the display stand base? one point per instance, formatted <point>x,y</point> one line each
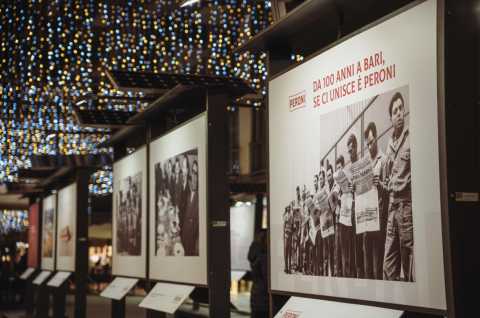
<point>29,298</point>
<point>42,301</point>
<point>155,314</point>
<point>118,308</point>
<point>59,300</point>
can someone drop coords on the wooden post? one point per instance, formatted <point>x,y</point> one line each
<point>218,216</point>
<point>81,257</point>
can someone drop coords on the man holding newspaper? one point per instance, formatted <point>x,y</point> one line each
<point>357,221</point>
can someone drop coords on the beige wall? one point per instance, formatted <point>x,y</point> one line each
<point>245,136</point>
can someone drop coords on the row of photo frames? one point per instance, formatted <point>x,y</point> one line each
<point>58,241</point>
<point>177,221</point>
<point>354,171</point>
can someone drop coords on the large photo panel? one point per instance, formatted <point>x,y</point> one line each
<point>67,228</point>
<point>49,214</point>
<point>354,168</point>
<point>178,225</point>
<point>129,215</point>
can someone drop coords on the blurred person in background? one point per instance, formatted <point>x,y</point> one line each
<point>257,256</point>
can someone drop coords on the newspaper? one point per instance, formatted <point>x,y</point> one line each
<point>366,196</point>
<point>326,215</point>
<point>362,175</point>
<point>346,209</point>
<point>366,212</point>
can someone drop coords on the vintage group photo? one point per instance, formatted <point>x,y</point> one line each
<point>177,206</point>
<point>48,233</point>
<point>129,216</point>
<point>352,215</point>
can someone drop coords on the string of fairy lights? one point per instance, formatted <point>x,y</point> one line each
<point>53,52</point>
<point>13,221</point>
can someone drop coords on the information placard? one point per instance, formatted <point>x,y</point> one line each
<point>119,288</point>
<point>297,307</point>
<point>58,279</point>
<point>41,277</point>
<point>26,274</point>
<point>166,297</point>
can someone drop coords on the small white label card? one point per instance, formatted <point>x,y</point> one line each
<point>41,277</point>
<point>119,288</point>
<point>166,297</point>
<point>297,307</point>
<point>58,279</point>
<point>26,274</point>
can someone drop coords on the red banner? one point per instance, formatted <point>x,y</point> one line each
<point>33,235</point>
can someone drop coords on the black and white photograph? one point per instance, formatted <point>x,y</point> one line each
<point>353,218</point>
<point>177,206</point>
<point>129,231</point>
<point>129,216</point>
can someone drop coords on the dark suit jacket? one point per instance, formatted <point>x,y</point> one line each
<point>190,226</point>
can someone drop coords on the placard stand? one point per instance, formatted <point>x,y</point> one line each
<point>118,308</point>
<point>42,298</point>
<point>29,295</point>
<point>117,291</point>
<point>42,301</point>
<point>59,300</point>
<point>292,35</point>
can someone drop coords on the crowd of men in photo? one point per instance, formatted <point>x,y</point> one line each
<point>177,205</point>
<point>129,217</point>
<point>321,227</point>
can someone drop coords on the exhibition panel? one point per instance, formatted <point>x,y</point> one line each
<point>178,214</point>
<point>129,215</point>
<point>354,180</point>
<point>49,215</point>
<point>67,228</point>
